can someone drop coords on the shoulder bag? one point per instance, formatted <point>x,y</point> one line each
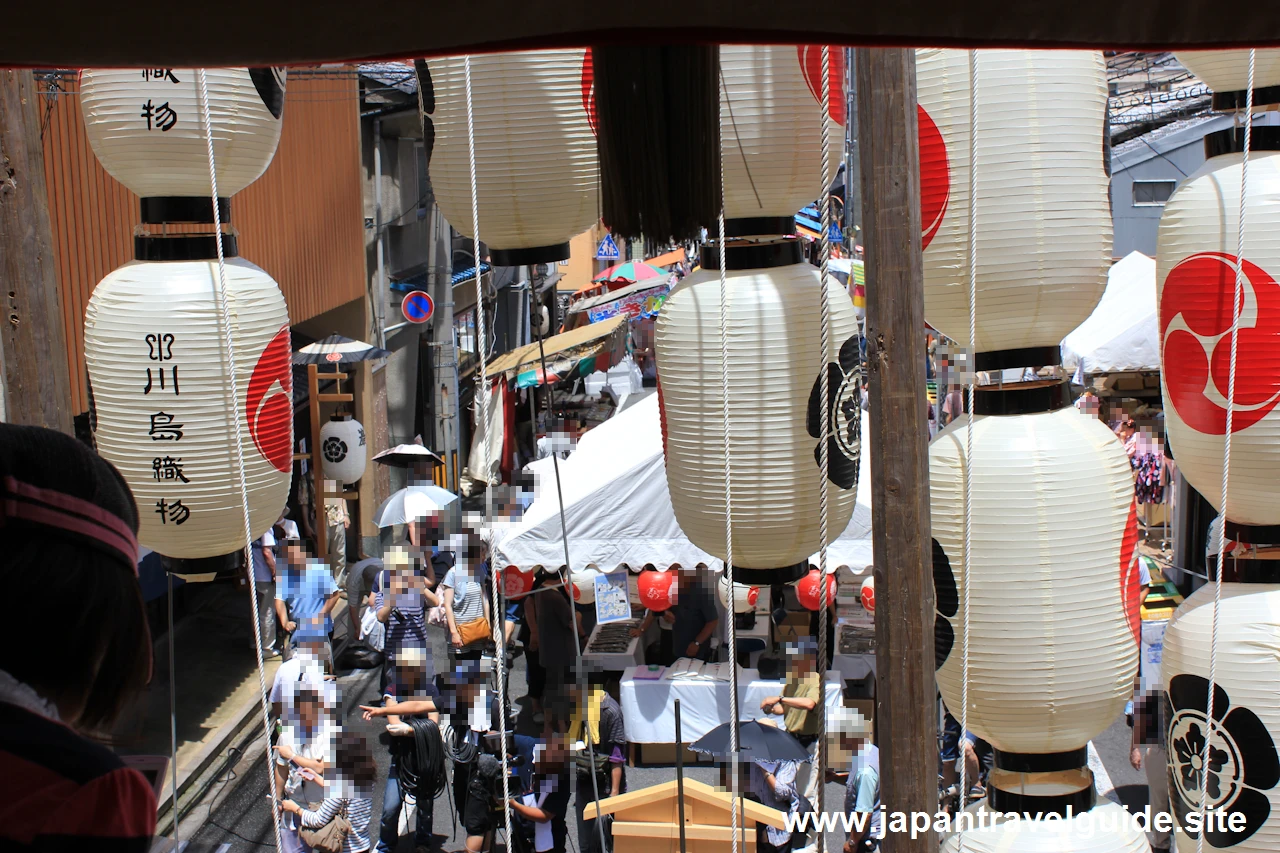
<point>330,837</point>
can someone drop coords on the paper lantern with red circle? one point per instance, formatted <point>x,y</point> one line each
<point>867,594</point>
<point>809,590</point>
<point>656,589</point>
<point>515,583</point>
<point>535,149</point>
<point>582,584</point>
<point>1043,211</point>
<point>146,128</point>
<point>1053,628</point>
<point>773,156</point>
<point>745,596</point>
<point>1195,280</point>
<point>163,408</point>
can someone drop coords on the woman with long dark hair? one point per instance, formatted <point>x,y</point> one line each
<point>68,524</point>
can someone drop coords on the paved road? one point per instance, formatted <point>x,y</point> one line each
<point>238,814</point>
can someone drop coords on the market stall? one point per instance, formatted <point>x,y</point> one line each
<point>648,697</point>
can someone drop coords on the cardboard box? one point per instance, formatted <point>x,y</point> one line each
<point>649,754</point>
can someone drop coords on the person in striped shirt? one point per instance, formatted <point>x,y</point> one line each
<point>355,774</point>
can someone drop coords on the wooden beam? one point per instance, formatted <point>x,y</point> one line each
<point>317,464</point>
<point>33,348</point>
<point>905,692</point>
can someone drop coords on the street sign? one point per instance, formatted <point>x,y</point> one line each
<point>607,250</point>
<point>833,233</point>
<point>417,307</point>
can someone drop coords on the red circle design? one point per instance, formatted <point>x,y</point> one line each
<point>1195,334</point>
<point>268,407</point>
<point>1130,589</point>
<point>810,56</point>
<point>589,91</point>
<point>935,177</point>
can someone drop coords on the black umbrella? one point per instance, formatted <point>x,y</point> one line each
<point>336,349</point>
<point>756,741</point>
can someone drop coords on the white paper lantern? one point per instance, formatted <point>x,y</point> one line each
<point>535,149</point>
<point>772,147</point>
<point>773,345</point>
<point>1228,70</point>
<point>163,405</point>
<point>583,585</point>
<point>345,451</point>
<point>1244,768</point>
<point>146,128</point>
<point>745,596</point>
<point>1044,216</point>
<point>1054,600</point>
<point>1106,828</point>
<point>1195,278</point>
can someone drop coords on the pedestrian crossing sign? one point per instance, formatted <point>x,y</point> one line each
<point>607,250</point>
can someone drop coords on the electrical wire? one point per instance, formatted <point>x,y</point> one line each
<point>420,760</point>
<point>1237,297</point>
<point>224,317</point>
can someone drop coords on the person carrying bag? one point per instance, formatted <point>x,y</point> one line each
<point>466,605</point>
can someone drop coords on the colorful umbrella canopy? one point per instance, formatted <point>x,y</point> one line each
<point>336,349</point>
<point>631,271</point>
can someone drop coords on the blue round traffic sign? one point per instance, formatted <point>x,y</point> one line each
<point>417,307</point>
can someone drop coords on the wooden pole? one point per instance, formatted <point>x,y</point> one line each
<point>889,160</point>
<point>33,352</point>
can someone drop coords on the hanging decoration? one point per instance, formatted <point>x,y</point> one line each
<point>1054,625</point>
<point>162,410</point>
<point>772,144</point>
<point>1226,72</point>
<point>515,583</point>
<point>1043,210</point>
<point>867,594</point>
<point>345,451</point>
<point>145,127</point>
<point>773,340</point>
<point>535,149</point>
<point>744,595</point>
<point>809,590</point>
<point>656,589</point>
<point>583,585</point>
<point>1107,828</point>
<point>1195,280</point>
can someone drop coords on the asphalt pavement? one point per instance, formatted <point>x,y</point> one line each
<point>234,817</point>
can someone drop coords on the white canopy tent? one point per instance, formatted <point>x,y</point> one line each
<point>618,510</point>
<point>1122,334</point>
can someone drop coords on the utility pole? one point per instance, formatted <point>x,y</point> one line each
<point>905,691</point>
<point>33,352</point>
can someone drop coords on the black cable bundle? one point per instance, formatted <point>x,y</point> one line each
<point>658,120</point>
<point>420,759</point>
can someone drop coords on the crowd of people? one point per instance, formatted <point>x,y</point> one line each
<point>444,724</point>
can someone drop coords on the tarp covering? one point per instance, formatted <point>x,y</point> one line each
<point>599,344</point>
<point>618,509</point>
<point>1122,334</point>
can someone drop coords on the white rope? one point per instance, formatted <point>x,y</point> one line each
<point>224,317</point>
<point>482,338</point>
<point>824,432</point>
<point>736,823</point>
<point>1237,294</point>
<point>173,717</point>
<point>971,365</point>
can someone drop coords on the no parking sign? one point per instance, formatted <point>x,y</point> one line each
<point>417,307</point>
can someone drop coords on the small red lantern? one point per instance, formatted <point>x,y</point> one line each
<point>808,590</point>
<point>656,589</point>
<point>868,595</point>
<point>515,583</point>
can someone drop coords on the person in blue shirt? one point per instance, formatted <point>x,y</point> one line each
<point>862,789</point>
<point>305,596</point>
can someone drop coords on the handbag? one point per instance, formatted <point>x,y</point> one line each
<point>474,632</point>
<point>330,837</point>
<point>438,616</point>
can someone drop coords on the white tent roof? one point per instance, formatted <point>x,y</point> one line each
<point>1122,333</point>
<point>618,509</point>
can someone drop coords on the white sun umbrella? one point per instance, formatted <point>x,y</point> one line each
<point>412,503</point>
<point>408,456</point>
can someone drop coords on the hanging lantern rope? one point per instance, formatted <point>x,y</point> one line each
<point>500,653</point>
<point>737,820</point>
<point>971,366</point>
<point>1237,295</point>
<point>824,412</point>
<point>224,320</point>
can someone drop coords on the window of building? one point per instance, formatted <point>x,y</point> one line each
<point>1152,193</point>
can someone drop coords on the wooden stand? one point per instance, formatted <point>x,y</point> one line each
<point>647,820</point>
<point>905,691</point>
<point>315,398</point>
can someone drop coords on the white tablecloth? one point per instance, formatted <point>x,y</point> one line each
<point>649,706</point>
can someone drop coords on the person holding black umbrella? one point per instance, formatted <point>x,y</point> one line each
<point>773,783</point>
